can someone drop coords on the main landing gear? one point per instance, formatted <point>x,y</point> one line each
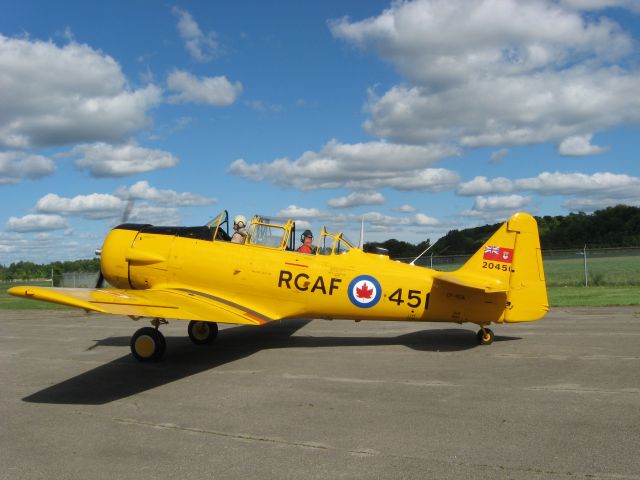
<point>148,343</point>
<point>485,336</point>
<point>202,333</point>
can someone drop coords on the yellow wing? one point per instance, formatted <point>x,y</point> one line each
<point>178,303</point>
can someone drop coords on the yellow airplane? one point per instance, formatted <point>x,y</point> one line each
<point>197,274</point>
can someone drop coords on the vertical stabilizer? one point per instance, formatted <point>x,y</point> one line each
<point>512,257</point>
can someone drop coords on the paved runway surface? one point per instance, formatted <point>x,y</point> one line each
<point>558,398</point>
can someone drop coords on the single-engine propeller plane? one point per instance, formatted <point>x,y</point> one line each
<point>197,274</point>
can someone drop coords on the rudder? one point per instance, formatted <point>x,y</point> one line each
<point>527,298</point>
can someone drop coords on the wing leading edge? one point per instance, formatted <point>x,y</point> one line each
<point>178,303</point>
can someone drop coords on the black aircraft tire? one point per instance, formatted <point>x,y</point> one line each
<point>148,345</point>
<point>202,333</point>
<point>485,337</point>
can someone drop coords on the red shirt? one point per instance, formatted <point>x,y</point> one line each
<point>305,249</point>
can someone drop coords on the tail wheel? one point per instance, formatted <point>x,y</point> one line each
<point>202,333</point>
<point>485,336</point>
<point>148,344</point>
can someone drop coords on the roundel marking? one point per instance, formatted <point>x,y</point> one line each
<point>364,291</point>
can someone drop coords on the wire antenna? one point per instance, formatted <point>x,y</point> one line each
<point>413,262</point>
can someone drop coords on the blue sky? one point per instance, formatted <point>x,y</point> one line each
<point>420,116</point>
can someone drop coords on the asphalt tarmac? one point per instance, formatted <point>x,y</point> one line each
<point>558,398</point>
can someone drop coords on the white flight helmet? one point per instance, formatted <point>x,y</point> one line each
<point>240,221</point>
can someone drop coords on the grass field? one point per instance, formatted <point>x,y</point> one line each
<point>593,296</point>
<point>14,303</point>
<point>602,271</point>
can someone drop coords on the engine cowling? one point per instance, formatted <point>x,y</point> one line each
<point>113,256</point>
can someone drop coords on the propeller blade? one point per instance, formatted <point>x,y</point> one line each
<point>123,219</point>
<point>127,211</point>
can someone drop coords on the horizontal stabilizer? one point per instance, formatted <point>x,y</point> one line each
<point>477,282</point>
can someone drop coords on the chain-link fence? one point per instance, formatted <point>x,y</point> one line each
<point>572,267</point>
<point>78,280</point>
<point>593,267</point>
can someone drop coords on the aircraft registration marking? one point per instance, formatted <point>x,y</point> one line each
<point>302,282</point>
<point>497,266</point>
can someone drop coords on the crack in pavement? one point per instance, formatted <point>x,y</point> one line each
<point>240,436</point>
<point>368,452</point>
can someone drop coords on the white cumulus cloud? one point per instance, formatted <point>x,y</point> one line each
<point>489,73</point>
<point>356,199</point>
<point>422,219</point>
<point>55,95</point>
<point>499,155</point>
<point>15,166</point>
<point>296,212</point>
<point>217,91</point>
<point>579,145</point>
<point>496,207</point>
<point>155,215</point>
<point>43,247</point>
<point>482,185</point>
<point>202,47</point>
<point>105,160</point>
<point>508,202</point>
<point>558,183</point>
<point>357,166</point>
<point>36,223</point>
<point>93,206</point>
<point>406,208</point>
<point>585,192</point>
<point>142,190</point>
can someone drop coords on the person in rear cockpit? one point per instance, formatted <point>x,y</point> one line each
<point>240,229</point>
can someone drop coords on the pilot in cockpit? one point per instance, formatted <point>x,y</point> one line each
<point>307,242</point>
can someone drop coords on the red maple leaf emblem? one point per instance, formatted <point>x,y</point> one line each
<point>364,292</point>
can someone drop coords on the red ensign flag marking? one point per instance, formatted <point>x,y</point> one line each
<point>498,254</point>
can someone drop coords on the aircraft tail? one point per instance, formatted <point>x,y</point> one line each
<point>512,258</point>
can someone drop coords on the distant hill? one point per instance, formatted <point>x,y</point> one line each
<point>617,226</point>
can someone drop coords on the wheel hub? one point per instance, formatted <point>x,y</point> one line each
<point>145,346</point>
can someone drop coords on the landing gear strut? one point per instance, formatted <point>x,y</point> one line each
<point>202,333</point>
<point>148,343</point>
<point>485,336</point>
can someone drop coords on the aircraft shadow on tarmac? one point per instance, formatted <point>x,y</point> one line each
<point>125,376</point>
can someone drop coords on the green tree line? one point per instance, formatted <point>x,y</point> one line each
<point>29,270</point>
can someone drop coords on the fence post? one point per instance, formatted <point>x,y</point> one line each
<point>586,275</point>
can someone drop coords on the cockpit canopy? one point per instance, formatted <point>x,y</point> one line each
<point>278,234</point>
